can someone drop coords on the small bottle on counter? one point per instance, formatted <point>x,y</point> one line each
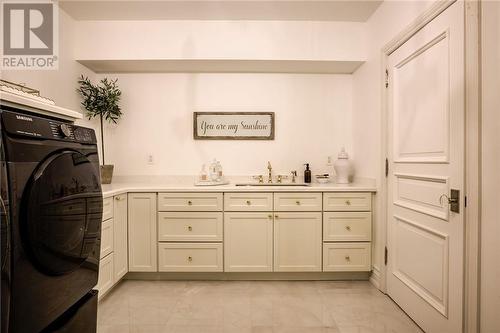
<point>219,171</point>
<point>214,175</point>
<point>203,173</point>
<point>307,174</point>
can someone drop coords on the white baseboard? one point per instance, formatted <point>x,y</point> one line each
<point>375,277</point>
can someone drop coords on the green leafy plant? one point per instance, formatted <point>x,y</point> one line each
<point>101,100</point>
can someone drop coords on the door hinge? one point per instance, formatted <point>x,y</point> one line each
<point>387,78</point>
<point>385,255</point>
<point>386,167</point>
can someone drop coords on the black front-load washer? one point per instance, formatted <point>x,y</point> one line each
<point>52,209</point>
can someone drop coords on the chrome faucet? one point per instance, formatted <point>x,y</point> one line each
<point>294,175</point>
<point>270,168</point>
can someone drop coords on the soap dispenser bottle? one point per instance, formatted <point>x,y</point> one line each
<point>307,174</point>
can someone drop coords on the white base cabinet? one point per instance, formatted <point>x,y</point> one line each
<point>297,242</point>
<point>142,230</point>
<point>113,264</point>
<point>235,232</point>
<point>248,242</point>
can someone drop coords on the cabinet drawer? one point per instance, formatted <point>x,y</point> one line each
<point>185,226</point>
<point>244,202</point>
<point>106,237</point>
<point>301,202</point>
<point>346,257</point>
<point>195,202</point>
<point>107,208</point>
<point>190,257</point>
<point>105,280</point>
<point>347,201</point>
<point>347,226</point>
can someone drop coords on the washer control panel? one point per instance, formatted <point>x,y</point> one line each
<point>43,128</point>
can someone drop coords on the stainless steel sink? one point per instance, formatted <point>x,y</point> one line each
<point>272,184</point>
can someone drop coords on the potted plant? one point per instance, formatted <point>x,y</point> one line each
<point>101,100</point>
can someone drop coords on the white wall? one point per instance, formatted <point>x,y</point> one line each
<point>293,40</point>
<point>313,120</point>
<point>490,208</point>
<point>389,19</point>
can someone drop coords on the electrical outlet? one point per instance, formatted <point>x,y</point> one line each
<point>150,159</point>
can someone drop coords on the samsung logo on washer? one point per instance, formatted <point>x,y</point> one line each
<point>18,117</point>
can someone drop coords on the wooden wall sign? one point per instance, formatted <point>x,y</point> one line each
<point>233,125</point>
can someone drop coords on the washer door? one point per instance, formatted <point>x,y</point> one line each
<point>61,212</point>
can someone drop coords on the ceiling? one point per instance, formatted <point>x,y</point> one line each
<point>279,10</point>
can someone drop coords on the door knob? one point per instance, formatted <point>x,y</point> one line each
<point>190,259</point>
<point>348,202</point>
<point>190,202</point>
<point>249,202</point>
<point>190,228</point>
<point>348,228</point>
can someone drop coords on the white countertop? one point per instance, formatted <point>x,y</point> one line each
<point>186,184</point>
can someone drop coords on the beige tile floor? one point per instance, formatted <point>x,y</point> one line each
<point>250,306</point>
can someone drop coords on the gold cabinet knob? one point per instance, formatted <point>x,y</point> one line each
<point>249,202</point>
<point>297,202</point>
<point>270,216</point>
<point>190,259</point>
<point>190,202</point>
<point>348,202</point>
<point>347,258</point>
<point>348,227</point>
<point>190,228</point>
<point>276,217</point>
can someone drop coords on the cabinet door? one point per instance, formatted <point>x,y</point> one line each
<point>297,242</point>
<point>248,242</point>
<point>120,239</point>
<point>105,280</point>
<point>142,243</point>
<point>107,237</point>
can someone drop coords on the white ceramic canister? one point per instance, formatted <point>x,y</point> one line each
<point>342,167</point>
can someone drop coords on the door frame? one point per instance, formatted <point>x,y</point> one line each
<point>472,150</point>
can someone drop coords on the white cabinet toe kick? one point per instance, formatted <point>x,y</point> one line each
<point>270,235</point>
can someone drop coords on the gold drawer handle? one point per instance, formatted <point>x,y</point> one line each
<point>348,228</point>
<point>190,228</point>
<point>297,202</point>
<point>190,202</point>
<point>249,202</point>
<point>190,259</point>
<point>348,202</point>
<point>347,258</point>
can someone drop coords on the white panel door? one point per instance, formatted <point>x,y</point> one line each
<point>142,241</point>
<point>297,242</point>
<point>248,242</point>
<point>426,160</point>
<point>120,230</point>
